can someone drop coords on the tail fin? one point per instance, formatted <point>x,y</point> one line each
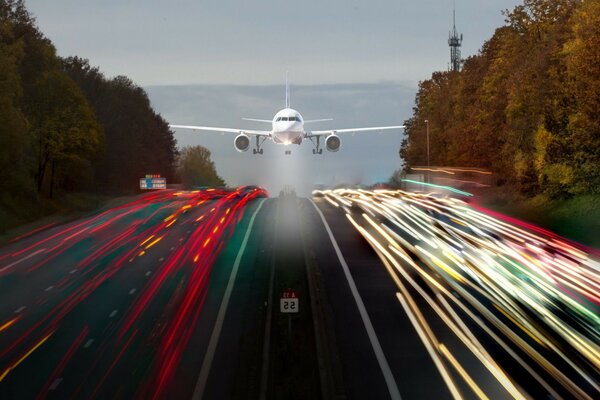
<point>287,91</point>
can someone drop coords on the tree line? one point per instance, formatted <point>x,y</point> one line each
<point>66,127</point>
<point>527,106</point>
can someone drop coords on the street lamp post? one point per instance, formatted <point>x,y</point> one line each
<point>428,164</point>
<point>427,123</point>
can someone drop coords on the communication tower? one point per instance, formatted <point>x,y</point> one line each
<point>455,41</point>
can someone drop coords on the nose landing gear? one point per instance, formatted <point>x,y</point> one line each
<point>288,152</point>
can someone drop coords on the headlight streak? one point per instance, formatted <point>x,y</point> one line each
<point>518,272</point>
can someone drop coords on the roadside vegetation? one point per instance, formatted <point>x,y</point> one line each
<point>70,138</point>
<point>527,106</point>
<point>196,169</point>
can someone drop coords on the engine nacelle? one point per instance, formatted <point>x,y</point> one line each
<point>241,142</point>
<point>333,143</point>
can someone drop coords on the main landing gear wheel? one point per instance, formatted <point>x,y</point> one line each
<point>259,142</point>
<point>317,149</point>
<point>288,152</point>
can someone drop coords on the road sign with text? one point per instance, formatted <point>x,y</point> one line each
<point>289,302</point>
<point>151,182</point>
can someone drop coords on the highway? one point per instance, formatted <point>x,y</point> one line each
<point>109,306</point>
<point>504,309</point>
<point>401,295</point>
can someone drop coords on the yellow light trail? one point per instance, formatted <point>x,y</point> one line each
<point>8,324</point>
<point>153,242</point>
<point>16,364</point>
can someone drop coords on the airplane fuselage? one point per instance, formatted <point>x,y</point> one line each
<point>287,127</point>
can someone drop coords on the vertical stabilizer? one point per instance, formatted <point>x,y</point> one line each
<point>287,91</point>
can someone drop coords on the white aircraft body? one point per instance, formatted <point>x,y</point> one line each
<point>287,127</point>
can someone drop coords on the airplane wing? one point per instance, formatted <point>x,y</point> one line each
<point>336,131</point>
<point>248,132</point>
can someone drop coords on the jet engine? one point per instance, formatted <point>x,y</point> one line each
<point>241,142</point>
<point>333,143</point>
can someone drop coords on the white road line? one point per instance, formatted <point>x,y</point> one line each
<point>148,273</point>
<point>72,271</point>
<point>132,291</point>
<point>55,384</point>
<point>113,313</point>
<point>172,248</point>
<point>383,364</point>
<point>9,266</point>
<point>88,343</point>
<point>216,333</point>
<point>18,310</point>
<point>49,288</point>
<point>161,259</point>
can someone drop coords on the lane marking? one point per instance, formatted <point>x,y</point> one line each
<point>18,310</point>
<point>72,271</point>
<point>55,384</point>
<point>88,343</point>
<point>49,288</point>
<point>264,374</point>
<point>113,313</point>
<point>148,273</point>
<point>9,266</point>
<point>216,333</point>
<point>132,291</point>
<point>161,259</point>
<point>383,364</point>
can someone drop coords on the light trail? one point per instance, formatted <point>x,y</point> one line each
<point>103,249</point>
<point>530,291</point>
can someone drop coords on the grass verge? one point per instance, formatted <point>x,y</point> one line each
<point>577,218</point>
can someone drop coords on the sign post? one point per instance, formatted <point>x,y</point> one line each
<point>289,304</point>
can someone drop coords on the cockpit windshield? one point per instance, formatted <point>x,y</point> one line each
<point>287,119</point>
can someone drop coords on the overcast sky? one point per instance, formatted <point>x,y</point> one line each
<point>254,42</point>
<point>212,62</point>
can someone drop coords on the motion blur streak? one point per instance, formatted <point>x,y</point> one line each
<point>49,277</point>
<point>513,294</point>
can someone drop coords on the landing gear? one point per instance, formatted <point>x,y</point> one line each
<point>317,149</point>
<point>259,141</point>
<point>288,152</point>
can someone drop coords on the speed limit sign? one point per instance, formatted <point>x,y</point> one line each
<point>288,303</point>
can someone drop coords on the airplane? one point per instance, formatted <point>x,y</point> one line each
<point>287,127</point>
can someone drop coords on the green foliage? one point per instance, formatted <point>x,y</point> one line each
<point>197,169</point>
<point>14,135</point>
<point>527,106</point>
<point>64,127</point>
<point>137,140</point>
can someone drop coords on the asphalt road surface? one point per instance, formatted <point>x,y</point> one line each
<point>401,295</point>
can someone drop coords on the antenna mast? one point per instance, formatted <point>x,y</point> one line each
<point>455,42</point>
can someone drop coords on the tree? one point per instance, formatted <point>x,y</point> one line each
<point>197,169</point>
<point>526,106</point>
<point>66,134</point>
<point>138,141</point>
<point>14,135</point>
